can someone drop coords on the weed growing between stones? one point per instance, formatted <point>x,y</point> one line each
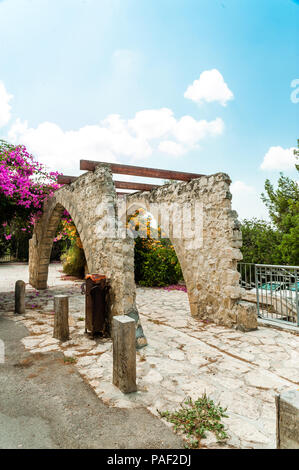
<point>195,418</point>
<point>69,360</point>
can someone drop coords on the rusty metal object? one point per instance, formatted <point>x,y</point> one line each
<point>95,289</point>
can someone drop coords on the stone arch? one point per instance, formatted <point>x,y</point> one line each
<point>209,253</point>
<point>91,201</point>
<point>42,241</point>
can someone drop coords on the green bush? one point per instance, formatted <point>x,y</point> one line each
<point>260,242</point>
<point>156,263</point>
<point>73,261</point>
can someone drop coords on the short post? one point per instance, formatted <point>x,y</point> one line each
<point>287,420</point>
<point>124,353</point>
<point>20,297</point>
<point>61,318</point>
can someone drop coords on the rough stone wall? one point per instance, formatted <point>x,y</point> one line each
<point>87,200</point>
<point>209,256</point>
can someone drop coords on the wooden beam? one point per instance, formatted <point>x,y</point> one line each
<point>64,179</point>
<point>90,165</point>
<point>137,186</point>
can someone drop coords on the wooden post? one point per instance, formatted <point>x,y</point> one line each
<point>124,353</point>
<point>20,297</point>
<point>61,319</point>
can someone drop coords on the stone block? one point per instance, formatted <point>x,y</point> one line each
<point>287,420</point>
<point>246,316</point>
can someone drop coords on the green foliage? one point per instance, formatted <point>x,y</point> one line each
<point>58,248</point>
<point>296,153</point>
<point>282,203</point>
<point>69,360</point>
<point>283,206</point>
<point>260,242</point>
<point>73,261</point>
<point>156,263</point>
<point>194,419</point>
<point>276,242</point>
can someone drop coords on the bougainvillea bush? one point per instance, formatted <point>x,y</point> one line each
<point>25,184</point>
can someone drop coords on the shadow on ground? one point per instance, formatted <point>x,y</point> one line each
<point>45,403</point>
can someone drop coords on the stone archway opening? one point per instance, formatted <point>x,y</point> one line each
<point>39,259</point>
<point>161,290</point>
<point>196,215</point>
<point>69,249</point>
<point>154,243</point>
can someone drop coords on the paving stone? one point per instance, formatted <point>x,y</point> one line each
<point>185,357</point>
<point>177,355</point>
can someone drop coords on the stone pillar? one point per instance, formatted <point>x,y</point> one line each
<point>20,297</point>
<point>287,420</point>
<point>124,353</point>
<point>61,319</point>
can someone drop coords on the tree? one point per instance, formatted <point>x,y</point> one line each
<point>260,242</point>
<point>283,206</point>
<point>25,184</point>
<point>276,242</point>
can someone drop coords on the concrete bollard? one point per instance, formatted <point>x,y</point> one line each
<point>61,318</point>
<point>20,297</point>
<point>124,353</point>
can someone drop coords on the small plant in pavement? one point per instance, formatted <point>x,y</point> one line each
<point>69,360</point>
<point>194,418</point>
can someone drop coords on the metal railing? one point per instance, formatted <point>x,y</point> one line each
<point>247,272</point>
<point>274,289</point>
<point>7,258</point>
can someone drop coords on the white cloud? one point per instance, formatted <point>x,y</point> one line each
<point>247,201</point>
<point>239,187</point>
<point>209,87</point>
<point>5,107</point>
<point>190,132</point>
<point>278,158</point>
<point>61,150</point>
<point>114,139</point>
<point>153,123</point>
<point>172,148</point>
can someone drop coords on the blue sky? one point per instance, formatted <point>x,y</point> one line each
<point>106,79</point>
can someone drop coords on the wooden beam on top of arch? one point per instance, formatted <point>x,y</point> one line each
<point>117,168</point>
<point>64,179</point>
<point>133,185</point>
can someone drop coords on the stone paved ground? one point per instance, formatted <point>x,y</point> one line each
<point>184,357</point>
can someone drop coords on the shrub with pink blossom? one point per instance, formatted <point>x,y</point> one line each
<point>25,184</point>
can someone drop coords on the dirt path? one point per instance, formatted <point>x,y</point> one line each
<point>45,403</point>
